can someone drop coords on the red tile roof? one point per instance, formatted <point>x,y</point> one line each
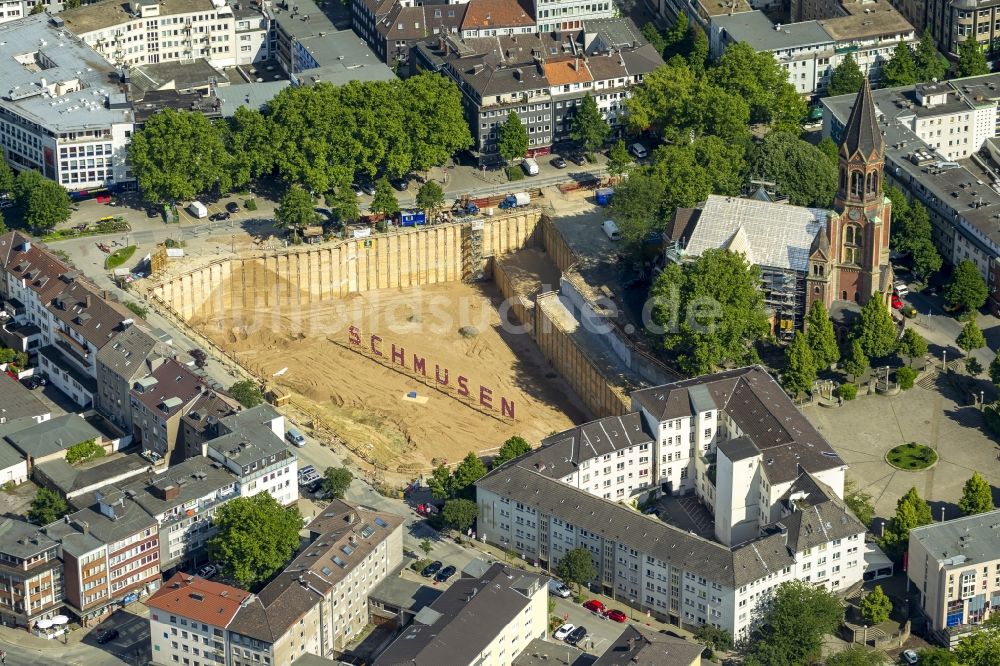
<point>496,14</point>
<point>198,599</point>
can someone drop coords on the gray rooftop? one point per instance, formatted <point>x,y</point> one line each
<point>757,30</point>
<point>963,541</point>
<point>562,453</point>
<point>68,479</point>
<point>404,593</point>
<point>9,456</point>
<point>249,437</point>
<point>17,402</point>
<point>54,435</point>
<point>642,646</point>
<point>540,652</point>
<point>21,539</point>
<point>193,479</point>
<point>254,96</point>
<point>125,354</point>
<point>34,52</point>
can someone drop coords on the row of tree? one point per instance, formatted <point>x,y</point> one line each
<point>319,137</point>
<point>911,233</point>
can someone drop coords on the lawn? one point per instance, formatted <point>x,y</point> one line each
<point>911,457</point>
<point>119,257</point>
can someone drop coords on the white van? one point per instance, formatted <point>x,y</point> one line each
<point>611,230</point>
<point>530,166</point>
<point>198,209</point>
<point>638,150</point>
<point>900,289</point>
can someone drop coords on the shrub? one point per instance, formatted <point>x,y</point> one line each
<point>139,310</point>
<point>514,173</point>
<point>973,366</point>
<point>905,377</point>
<point>418,565</point>
<point>847,391</point>
<point>84,451</point>
<point>250,204</point>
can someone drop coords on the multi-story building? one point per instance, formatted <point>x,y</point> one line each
<point>201,423</point>
<point>188,617</point>
<point>158,400</point>
<point>393,27</point>
<point>952,21</point>
<point>250,444</point>
<point>735,441</point>
<point>31,575</point>
<point>955,565</point>
<point>12,10</point>
<point>569,15</point>
<point>62,119</point>
<point>128,357</point>
<point>488,621</point>
<point>496,18</point>
<point>643,646</point>
<point>320,601</point>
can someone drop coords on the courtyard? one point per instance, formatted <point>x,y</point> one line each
<point>864,430</point>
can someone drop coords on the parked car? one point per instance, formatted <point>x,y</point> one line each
<point>559,589</point>
<point>446,573</point>
<point>356,189</point>
<point>314,485</point>
<point>578,159</point>
<point>218,217</point>
<point>639,151</point>
<point>295,437</point>
<point>576,635</point>
<point>368,187</point>
<point>616,615</point>
<point>309,479</point>
<point>107,636</point>
<point>233,207</point>
<point>303,471</point>
<point>431,569</point>
<point>208,571</point>
<point>558,162</point>
<point>594,605</point>
<point>910,656</point>
<point>563,631</point>
<point>32,382</point>
<point>897,303</point>
<point>401,184</point>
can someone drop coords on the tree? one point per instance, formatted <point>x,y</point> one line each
<point>855,363</point>
<point>384,201</point>
<point>84,451</point>
<point>846,79</point>
<point>829,148</point>
<point>336,481</point>
<point>588,127</point>
<point>937,656</point>
<point>460,513</point>
<point>926,259</point>
<point>966,289</point>
<point>971,338</point>
<point>514,447</point>
<point>199,356</point>
<point>513,138</point>
<point>856,655</point>
<point>46,205</point>
<point>344,204</point>
<point>912,345</point>
<point>799,169</point>
<point>931,65</point>
<point>426,546</point>
<point>718,639</point>
<point>995,370</point>
<point>577,567</point>
<point>711,311</point>
<point>250,144</point>
<point>37,9</point>
<point>255,537</point>
<point>905,377</point>
<point>859,502</point>
<point>47,507</point>
<point>6,178</point>
<point>247,393</point>
<point>619,161</point>
<point>763,83</point>
<point>178,155</point>
<point>971,59</point>
<point>911,511</point>
<point>430,196</point>
<point>977,497</point>
<point>821,337</point>
<point>653,35</point>
<point>800,367</point>
<point>792,631</point>
<point>434,120</point>
<point>440,483</point>
<point>875,329</point>
<point>698,48</point>
<point>675,36</point>
<point>295,211</point>
<point>876,606</point>
<point>3,225</point>
<point>901,70</point>
<point>470,470</point>
<point>911,232</point>
<point>980,648</point>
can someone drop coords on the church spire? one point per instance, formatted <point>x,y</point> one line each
<point>861,134</point>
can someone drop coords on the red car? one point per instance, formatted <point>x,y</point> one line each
<point>897,303</point>
<point>616,615</point>
<point>594,605</point>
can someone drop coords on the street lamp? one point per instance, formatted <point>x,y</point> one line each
<point>631,609</point>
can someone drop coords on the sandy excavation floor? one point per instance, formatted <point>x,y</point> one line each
<point>364,401</point>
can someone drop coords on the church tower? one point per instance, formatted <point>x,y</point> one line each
<point>858,233</point>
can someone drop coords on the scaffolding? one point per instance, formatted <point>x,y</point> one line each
<point>785,296</point>
<point>472,252</point>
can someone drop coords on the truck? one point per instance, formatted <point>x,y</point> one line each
<point>198,209</point>
<point>515,200</point>
<point>603,195</point>
<point>411,218</point>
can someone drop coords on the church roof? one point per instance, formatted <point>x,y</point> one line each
<point>862,134</point>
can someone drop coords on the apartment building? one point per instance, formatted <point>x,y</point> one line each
<point>393,27</point>
<point>496,18</point>
<point>642,646</point>
<point>251,445</point>
<point>488,620</point>
<point>952,21</point>
<point>58,117</point>
<point>201,423</point>
<point>735,442</point>
<point>158,401</point>
<point>320,601</point>
<point>12,10</point>
<point>129,356</point>
<point>188,617</point>
<point>955,565</point>
<point>31,575</point>
<point>569,15</point>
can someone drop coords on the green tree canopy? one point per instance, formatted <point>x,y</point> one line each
<point>855,363</point>
<point>250,144</point>
<point>912,345</point>
<point>875,329</point>
<point>47,507</point>
<point>798,168</point>
<point>931,65</point>
<point>901,70</point>
<point>859,502</point>
<point>460,513</point>
<point>857,655</point>
<point>977,496</point>
<point>911,511</point>
<point>763,83</point>
<point>876,606</point>
<point>846,79</point>
<point>719,640</point>
<point>619,161</point>
<point>911,232</point>
<point>384,200</point>
<point>247,393</point>
<point>698,48</point>
<point>513,138</point>
<point>653,35</point>
<point>980,648</point>
<point>829,148</point>
<point>937,656</point>
<point>711,311</point>
<point>178,155</point>
<point>995,370</point>
<point>434,120</point>
<point>966,289</point>
<point>336,481</point>
<point>577,567</point>
<point>792,631</point>
<point>295,211</point>
<point>344,205</point>
<point>440,483</point>
<point>514,447</point>
<point>6,178</point>
<point>821,337</point>
<point>971,58</point>
<point>470,470</point>
<point>430,196</point>
<point>86,450</point>
<point>45,205</point>
<point>255,537</point>
<point>800,367</point>
<point>675,36</point>
<point>588,127</point>
<point>971,338</point>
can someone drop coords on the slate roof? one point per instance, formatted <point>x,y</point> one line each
<point>175,387</point>
<point>68,479</point>
<point>739,448</point>
<point>862,133</point>
<point>25,259</point>
<point>126,355</point>
<point>85,310</point>
<point>194,479</point>
<point>9,456</point>
<point>641,646</point>
<point>246,436</point>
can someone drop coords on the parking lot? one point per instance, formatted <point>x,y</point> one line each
<point>601,631</point>
<point>132,644</point>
